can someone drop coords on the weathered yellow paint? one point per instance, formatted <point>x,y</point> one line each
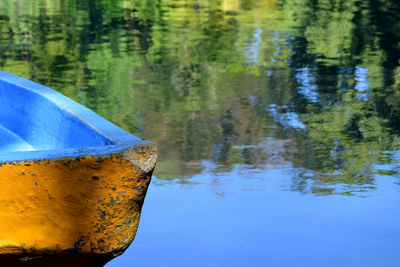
<point>85,205</point>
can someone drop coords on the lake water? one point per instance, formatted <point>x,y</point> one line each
<point>277,122</point>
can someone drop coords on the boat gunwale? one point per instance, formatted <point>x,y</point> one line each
<point>119,139</point>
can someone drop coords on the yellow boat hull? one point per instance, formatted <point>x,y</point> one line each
<point>85,208</point>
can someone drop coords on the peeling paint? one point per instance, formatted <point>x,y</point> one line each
<point>82,210</point>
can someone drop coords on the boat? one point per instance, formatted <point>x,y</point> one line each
<point>72,184</point>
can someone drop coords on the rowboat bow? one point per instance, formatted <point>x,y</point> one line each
<point>72,184</point>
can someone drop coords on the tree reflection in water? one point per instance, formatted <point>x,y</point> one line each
<point>313,85</point>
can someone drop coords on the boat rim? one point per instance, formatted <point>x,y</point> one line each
<point>119,139</point>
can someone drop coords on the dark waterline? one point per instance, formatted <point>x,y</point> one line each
<point>277,121</point>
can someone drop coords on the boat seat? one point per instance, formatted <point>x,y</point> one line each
<point>10,142</point>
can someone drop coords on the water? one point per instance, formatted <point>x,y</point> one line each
<point>277,121</point>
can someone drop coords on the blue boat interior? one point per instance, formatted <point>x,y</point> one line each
<point>9,141</point>
<point>33,118</point>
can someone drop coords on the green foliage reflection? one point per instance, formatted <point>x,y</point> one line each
<point>216,81</point>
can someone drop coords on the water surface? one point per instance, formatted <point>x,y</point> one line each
<point>277,122</point>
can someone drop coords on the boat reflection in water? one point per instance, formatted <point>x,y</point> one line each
<point>72,184</point>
